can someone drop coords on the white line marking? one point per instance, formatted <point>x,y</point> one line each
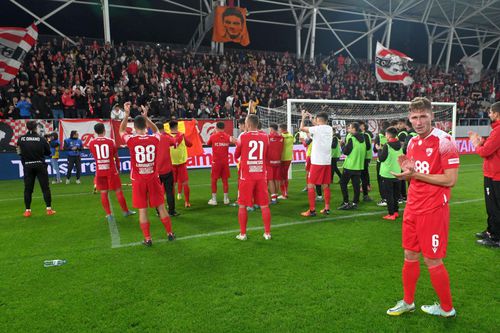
<point>287,224</point>
<point>113,227</point>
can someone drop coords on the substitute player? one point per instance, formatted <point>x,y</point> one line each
<point>146,186</point>
<point>179,162</point>
<point>321,154</point>
<point>274,171</point>
<point>432,165</point>
<point>219,141</point>
<point>107,176</point>
<point>286,159</point>
<point>251,148</point>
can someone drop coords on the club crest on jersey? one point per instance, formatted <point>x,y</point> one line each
<point>428,151</point>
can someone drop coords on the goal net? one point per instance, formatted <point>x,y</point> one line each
<point>343,112</point>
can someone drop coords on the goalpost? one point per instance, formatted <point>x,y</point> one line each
<point>342,112</point>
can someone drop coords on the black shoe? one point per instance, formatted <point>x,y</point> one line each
<point>147,242</point>
<point>367,198</point>
<point>490,242</point>
<point>171,237</point>
<point>354,205</point>
<point>483,235</point>
<point>344,206</point>
<point>173,214</point>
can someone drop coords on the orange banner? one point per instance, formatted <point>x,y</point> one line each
<point>230,25</point>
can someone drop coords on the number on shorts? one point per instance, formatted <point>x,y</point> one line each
<point>144,154</point>
<point>435,240</point>
<point>256,145</point>
<point>102,151</point>
<point>422,167</point>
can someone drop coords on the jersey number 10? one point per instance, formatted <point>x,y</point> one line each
<point>102,151</point>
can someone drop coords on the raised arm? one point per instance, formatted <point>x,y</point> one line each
<point>149,123</point>
<point>123,124</point>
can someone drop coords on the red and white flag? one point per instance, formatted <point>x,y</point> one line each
<point>14,44</point>
<point>392,66</point>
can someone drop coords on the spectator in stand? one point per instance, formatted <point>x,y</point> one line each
<point>117,113</point>
<point>56,106</point>
<point>25,107</point>
<point>81,104</point>
<point>68,102</point>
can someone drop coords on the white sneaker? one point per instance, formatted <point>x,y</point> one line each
<point>282,197</point>
<point>267,236</point>
<point>400,308</point>
<point>179,196</point>
<point>226,201</point>
<point>78,181</point>
<point>241,237</point>
<point>319,198</point>
<point>436,310</point>
<point>212,202</point>
<point>67,181</point>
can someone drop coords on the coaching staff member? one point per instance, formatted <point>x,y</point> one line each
<point>33,149</point>
<point>489,150</point>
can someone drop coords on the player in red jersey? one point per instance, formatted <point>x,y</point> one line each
<point>179,156</point>
<point>274,171</point>
<point>107,176</point>
<point>146,186</point>
<point>251,148</point>
<point>431,164</point>
<point>219,141</point>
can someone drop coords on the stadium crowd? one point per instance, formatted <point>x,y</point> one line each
<point>59,80</point>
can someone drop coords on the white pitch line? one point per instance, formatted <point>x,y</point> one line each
<point>281,225</point>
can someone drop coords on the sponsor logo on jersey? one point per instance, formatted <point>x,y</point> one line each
<point>428,151</point>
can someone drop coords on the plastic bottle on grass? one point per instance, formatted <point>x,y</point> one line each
<point>52,263</point>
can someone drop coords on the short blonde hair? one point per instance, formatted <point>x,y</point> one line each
<point>420,103</point>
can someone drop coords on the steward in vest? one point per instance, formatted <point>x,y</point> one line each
<point>378,143</point>
<point>179,158</point>
<point>365,174</point>
<point>336,152</point>
<point>355,152</point>
<point>391,186</point>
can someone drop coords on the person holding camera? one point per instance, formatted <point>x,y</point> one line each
<point>33,148</point>
<point>74,146</point>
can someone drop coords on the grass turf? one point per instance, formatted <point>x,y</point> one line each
<point>339,274</point>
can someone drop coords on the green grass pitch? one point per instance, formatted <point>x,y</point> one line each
<point>326,274</point>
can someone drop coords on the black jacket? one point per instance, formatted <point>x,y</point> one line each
<point>384,153</point>
<point>33,149</point>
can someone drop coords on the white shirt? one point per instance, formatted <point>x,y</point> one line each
<point>117,115</point>
<point>321,151</point>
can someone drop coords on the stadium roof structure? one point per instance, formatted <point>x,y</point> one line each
<point>466,24</point>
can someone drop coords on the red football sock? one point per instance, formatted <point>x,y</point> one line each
<point>214,185</point>
<point>266,218</point>
<point>411,272</point>
<point>167,224</point>
<point>122,201</point>
<point>179,187</point>
<point>105,203</point>
<point>441,283</point>
<point>243,219</point>
<point>283,188</point>
<point>145,230</point>
<point>225,185</point>
<point>186,192</point>
<point>311,194</point>
<point>327,193</point>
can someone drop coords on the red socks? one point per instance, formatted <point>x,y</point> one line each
<point>311,194</point>
<point>214,185</point>
<point>167,223</point>
<point>145,230</point>
<point>121,201</point>
<point>186,192</point>
<point>327,193</point>
<point>225,185</point>
<point>266,218</point>
<point>105,203</point>
<point>441,283</point>
<point>411,272</point>
<point>243,219</point>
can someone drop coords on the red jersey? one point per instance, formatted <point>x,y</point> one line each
<point>106,156</point>
<point>164,161</point>
<point>275,149</point>
<point>220,147</point>
<point>252,150</point>
<point>143,155</point>
<point>432,155</point>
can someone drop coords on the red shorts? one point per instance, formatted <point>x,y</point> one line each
<point>220,171</point>
<point>151,191</point>
<point>308,163</point>
<point>108,183</point>
<point>427,233</point>
<point>285,166</point>
<point>253,191</point>
<point>319,174</point>
<point>180,173</point>
<point>274,172</point>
